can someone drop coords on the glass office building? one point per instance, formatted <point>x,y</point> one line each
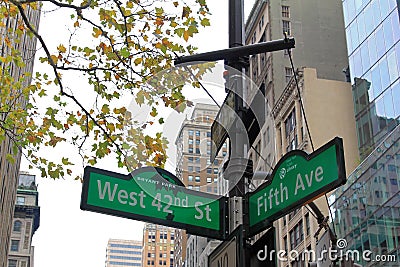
<point>366,211</point>
<point>373,34</point>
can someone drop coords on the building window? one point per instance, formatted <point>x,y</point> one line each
<point>190,168</point>
<point>197,169</point>
<point>190,150</point>
<point>17,226</point>
<point>215,170</point>
<point>209,170</point>
<point>286,26</point>
<point>190,132</point>
<point>253,39</point>
<point>190,141</point>
<point>197,179</point>
<point>288,74</point>
<point>261,23</point>
<point>296,235</point>
<point>254,67</point>
<point>208,134</point>
<point>197,141</point>
<point>190,178</point>
<point>20,200</point>
<point>12,263</point>
<point>285,244</point>
<point>292,240</point>
<point>290,123</point>
<point>197,133</point>
<point>14,245</point>
<point>209,180</point>
<point>285,12</point>
<point>197,150</point>
<point>307,218</point>
<point>197,160</point>
<point>190,159</point>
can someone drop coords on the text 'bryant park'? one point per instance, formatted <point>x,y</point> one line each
<point>233,133</point>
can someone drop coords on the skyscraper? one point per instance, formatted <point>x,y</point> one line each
<point>158,245</point>
<point>9,170</point>
<point>373,34</point>
<point>193,143</point>
<point>26,222</point>
<point>194,168</point>
<point>123,253</point>
<point>367,207</point>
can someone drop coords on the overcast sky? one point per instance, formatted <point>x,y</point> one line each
<point>68,236</point>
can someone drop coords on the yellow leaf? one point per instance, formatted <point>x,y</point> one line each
<point>76,24</point>
<point>54,59</point>
<point>13,9</point>
<point>165,41</point>
<point>138,60</point>
<point>186,35</point>
<point>96,32</point>
<point>61,48</point>
<point>159,21</point>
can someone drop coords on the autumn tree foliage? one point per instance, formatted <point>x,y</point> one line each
<point>115,48</point>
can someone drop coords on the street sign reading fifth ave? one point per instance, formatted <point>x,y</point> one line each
<point>146,195</point>
<point>297,179</point>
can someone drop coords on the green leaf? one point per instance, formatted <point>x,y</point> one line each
<point>10,158</point>
<point>205,22</point>
<point>105,109</point>
<point>124,52</point>
<point>65,161</point>
<point>179,31</point>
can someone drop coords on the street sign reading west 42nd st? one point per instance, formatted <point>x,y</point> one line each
<point>297,179</point>
<point>153,195</point>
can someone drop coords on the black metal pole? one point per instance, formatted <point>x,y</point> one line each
<point>237,147</point>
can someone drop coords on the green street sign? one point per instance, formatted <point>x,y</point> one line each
<point>154,195</point>
<point>297,179</point>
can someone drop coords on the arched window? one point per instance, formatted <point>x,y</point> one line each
<point>17,226</point>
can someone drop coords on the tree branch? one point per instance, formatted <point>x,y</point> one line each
<point>54,66</point>
<point>59,4</point>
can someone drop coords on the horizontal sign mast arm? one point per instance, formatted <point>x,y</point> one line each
<point>240,51</point>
